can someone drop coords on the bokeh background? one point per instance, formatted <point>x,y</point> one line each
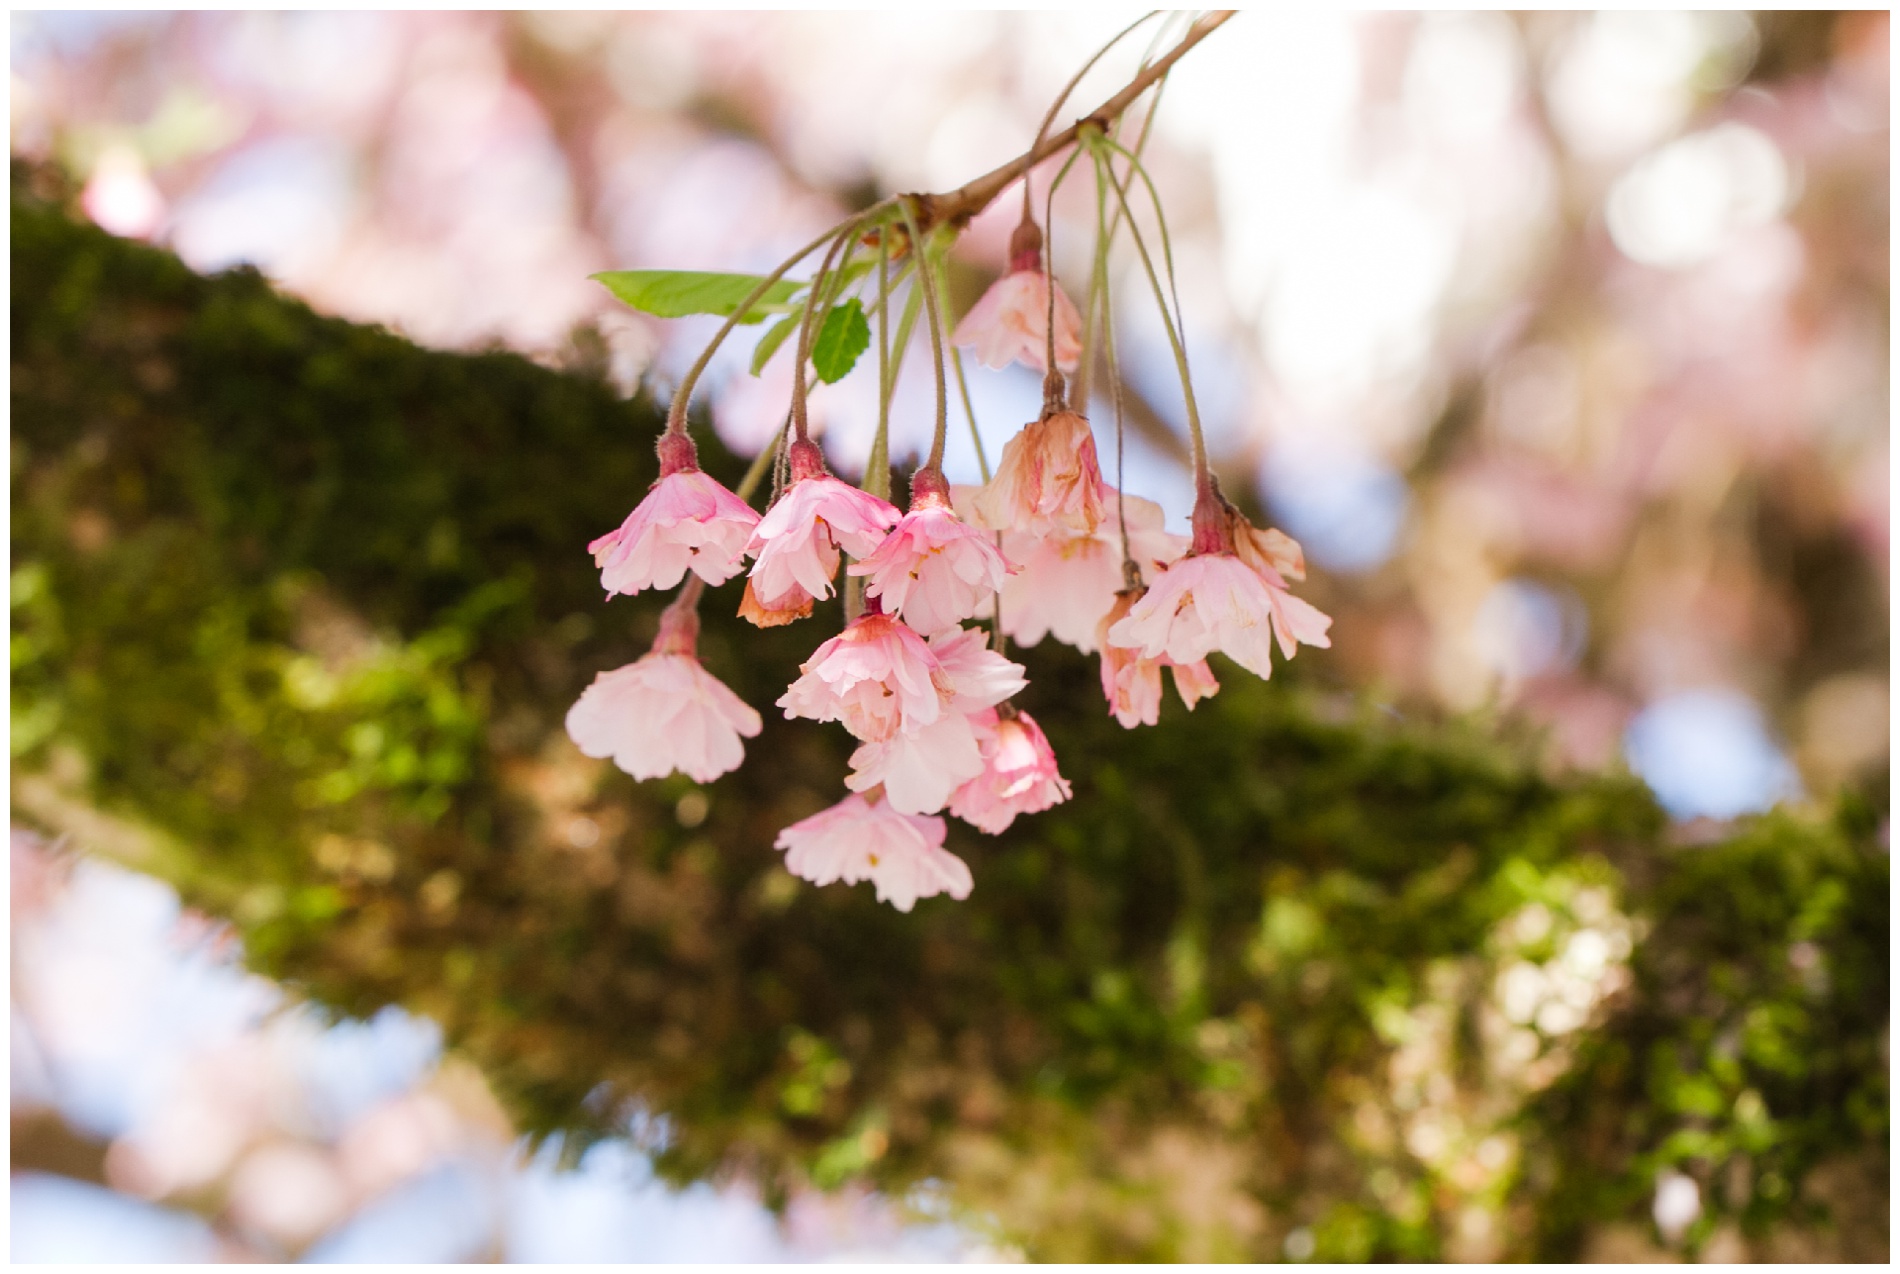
<point>1560,341</point>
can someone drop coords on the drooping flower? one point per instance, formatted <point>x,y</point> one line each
<point>1212,600</point>
<point>921,767</point>
<point>797,542</point>
<point>1132,682</point>
<point>1275,557</point>
<point>1198,605</point>
<point>687,521</point>
<point>919,770</point>
<point>1019,774</point>
<point>866,838</point>
<point>933,569</point>
<point>1049,479</point>
<point>977,676</point>
<point>1011,320</point>
<point>664,712</point>
<point>877,676</point>
<point>1066,583</point>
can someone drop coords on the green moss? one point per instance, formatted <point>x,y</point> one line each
<point>311,603</point>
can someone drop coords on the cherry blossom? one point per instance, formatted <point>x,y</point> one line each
<point>797,542</point>
<point>1066,583</point>
<point>921,767</point>
<point>1049,479</point>
<point>687,521</point>
<point>920,770</point>
<point>864,837</point>
<point>1215,600</point>
<point>664,712</point>
<point>1018,777</point>
<point>1198,605</point>
<point>933,569</point>
<point>977,676</point>
<point>1132,683</point>
<point>1010,322</point>
<point>877,676</point>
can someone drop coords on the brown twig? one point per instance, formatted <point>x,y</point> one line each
<point>959,205</point>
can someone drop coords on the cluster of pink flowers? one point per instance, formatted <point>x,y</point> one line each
<point>927,698</point>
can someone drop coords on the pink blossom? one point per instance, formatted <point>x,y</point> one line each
<point>867,838</point>
<point>1011,322</point>
<point>1018,777</point>
<point>1049,479</point>
<point>977,677</point>
<point>1132,683</point>
<point>1201,604</point>
<point>920,766</point>
<point>664,712</point>
<point>1066,583</point>
<point>919,770</point>
<point>933,569</point>
<point>877,676</point>
<point>688,520</point>
<point>1274,556</point>
<point>798,540</point>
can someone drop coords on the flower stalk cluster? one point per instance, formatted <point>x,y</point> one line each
<point>1045,546</point>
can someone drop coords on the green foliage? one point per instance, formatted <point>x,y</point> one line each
<point>1287,976</point>
<point>843,338</point>
<point>677,293</point>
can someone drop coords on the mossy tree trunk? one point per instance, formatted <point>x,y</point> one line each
<point>298,609</point>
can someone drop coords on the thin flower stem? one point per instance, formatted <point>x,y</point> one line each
<point>931,307</point>
<point>1131,570</point>
<point>877,469</point>
<point>1203,481</point>
<point>800,418</point>
<point>956,207</point>
<point>1087,66</point>
<point>1079,386</point>
<point>963,385</point>
<point>1049,118</point>
<point>1161,222</point>
<point>689,594</point>
<point>676,415</point>
<point>1049,264</point>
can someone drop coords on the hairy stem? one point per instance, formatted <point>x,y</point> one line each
<point>676,415</point>
<point>799,415</point>
<point>1202,479</point>
<point>931,307</point>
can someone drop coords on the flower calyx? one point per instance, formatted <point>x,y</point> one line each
<point>807,461</point>
<point>1025,247</point>
<point>679,626</point>
<point>677,455</point>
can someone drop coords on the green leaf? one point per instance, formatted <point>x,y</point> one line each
<point>841,340</point>
<point>676,293</point>
<point>775,337</point>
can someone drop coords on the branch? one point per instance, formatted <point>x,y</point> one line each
<point>959,205</point>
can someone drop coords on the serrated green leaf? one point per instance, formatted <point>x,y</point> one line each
<point>844,337</point>
<point>677,293</point>
<point>775,337</point>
